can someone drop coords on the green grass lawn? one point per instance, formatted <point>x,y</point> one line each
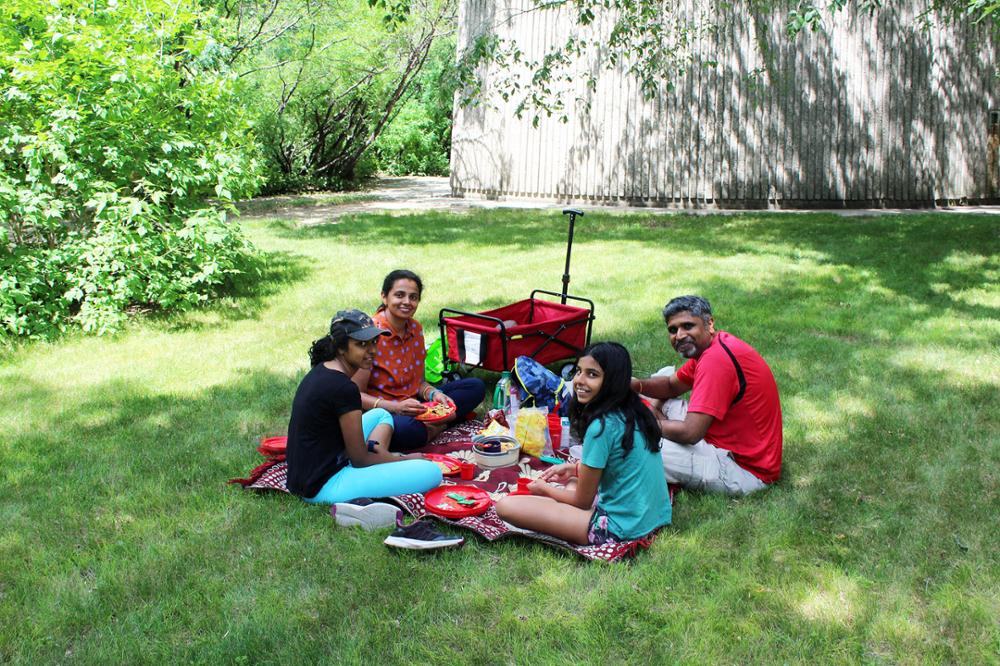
<point>122,543</point>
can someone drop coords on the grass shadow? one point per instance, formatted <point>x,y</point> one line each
<point>923,256</point>
<point>246,295</point>
<point>123,539</point>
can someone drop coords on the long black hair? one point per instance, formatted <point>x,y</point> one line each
<point>616,395</point>
<point>327,347</point>
<point>399,274</point>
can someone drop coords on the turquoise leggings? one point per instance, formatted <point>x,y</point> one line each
<point>383,480</point>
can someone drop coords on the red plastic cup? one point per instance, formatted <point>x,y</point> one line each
<point>555,431</point>
<point>522,486</point>
<point>466,471</point>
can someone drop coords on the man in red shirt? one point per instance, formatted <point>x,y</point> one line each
<point>727,437</point>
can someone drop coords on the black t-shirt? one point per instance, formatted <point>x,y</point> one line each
<point>316,448</point>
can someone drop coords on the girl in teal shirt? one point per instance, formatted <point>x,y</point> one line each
<point>621,462</point>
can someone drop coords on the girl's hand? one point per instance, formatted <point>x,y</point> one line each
<point>410,407</point>
<point>539,487</point>
<point>560,473</point>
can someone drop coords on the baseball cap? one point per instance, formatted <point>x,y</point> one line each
<point>355,324</point>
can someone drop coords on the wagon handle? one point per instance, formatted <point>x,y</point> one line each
<point>572,212</point>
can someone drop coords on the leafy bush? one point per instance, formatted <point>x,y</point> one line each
<point>411,146</point>
<point>418,140</point>
<point>117,125</point>
<point>324,90</point>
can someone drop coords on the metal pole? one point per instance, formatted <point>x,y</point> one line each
<point>572,212</point>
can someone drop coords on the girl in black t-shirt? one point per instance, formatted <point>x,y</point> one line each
<point>334,452</point>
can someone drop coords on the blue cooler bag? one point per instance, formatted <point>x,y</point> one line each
<point>540,387</point>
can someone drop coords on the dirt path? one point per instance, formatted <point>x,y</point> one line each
<point>386,194</point>
<point>420,193</point>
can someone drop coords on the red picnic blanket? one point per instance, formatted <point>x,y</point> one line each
<point>455,442</point>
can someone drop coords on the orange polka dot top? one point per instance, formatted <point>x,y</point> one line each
<point>398,371</point>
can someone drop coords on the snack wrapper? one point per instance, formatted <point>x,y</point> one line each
<point>531,430</point>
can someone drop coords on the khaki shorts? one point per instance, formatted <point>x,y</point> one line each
<point>702,466</point>
<point>705,467</point>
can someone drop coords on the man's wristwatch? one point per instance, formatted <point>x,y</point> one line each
<point>371,445</point>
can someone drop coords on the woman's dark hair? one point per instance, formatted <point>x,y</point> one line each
<point>326,348</point>
<point>616,394</point>
<point>401,274</point>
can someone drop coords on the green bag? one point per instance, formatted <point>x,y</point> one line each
<point>434,363</point>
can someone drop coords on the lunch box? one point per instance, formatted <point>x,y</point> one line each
<point>509,453</point>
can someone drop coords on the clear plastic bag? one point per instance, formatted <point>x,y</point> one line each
<point>531,430</point>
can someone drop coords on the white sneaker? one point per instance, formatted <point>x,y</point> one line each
<point>365,513</point>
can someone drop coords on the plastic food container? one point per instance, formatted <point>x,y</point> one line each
<point>508,454</point>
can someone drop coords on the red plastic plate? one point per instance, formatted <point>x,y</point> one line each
<point>453,465</point>
<point>427,417</point>
<point>271,446</point>
<point>437,501</point>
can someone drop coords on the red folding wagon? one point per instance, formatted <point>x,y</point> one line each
<point>546,330</point>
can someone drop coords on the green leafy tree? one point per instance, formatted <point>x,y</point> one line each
<point>418,140</point>
<point>807,14</point>
<point>653,40</point>
<point>121,144</point>
<point>324,81</point>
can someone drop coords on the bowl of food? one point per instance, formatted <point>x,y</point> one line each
<point>492,451</point>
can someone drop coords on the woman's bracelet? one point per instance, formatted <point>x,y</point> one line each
<point>640,386</point>
<point>577,470</point>
<point>377,400</point>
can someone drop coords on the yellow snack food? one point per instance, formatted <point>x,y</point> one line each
<point>494,429</point>
<point>530,431</point>
<point>435,411</point>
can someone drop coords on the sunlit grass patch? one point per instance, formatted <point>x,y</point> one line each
<point>959,365</point>
<point>831,598</point>
<point>122,542</point>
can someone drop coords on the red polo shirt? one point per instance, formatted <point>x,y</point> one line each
<point>750,429</point>
<point>398,371</point>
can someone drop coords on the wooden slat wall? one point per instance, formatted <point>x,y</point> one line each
<point>876,111</point>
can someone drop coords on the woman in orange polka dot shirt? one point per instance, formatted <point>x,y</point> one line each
<point>396,380</point>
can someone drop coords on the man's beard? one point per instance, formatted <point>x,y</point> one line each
<point>690,350</point>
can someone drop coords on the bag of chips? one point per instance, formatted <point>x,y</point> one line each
<point>531,429</point>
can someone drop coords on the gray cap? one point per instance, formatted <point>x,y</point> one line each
<point>355,324</point>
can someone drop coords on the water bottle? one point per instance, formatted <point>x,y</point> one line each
<point>567,439</point>
<point>502,390</point>
<point>513,400</point>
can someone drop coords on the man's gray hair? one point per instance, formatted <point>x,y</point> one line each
<point>696,305</point>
